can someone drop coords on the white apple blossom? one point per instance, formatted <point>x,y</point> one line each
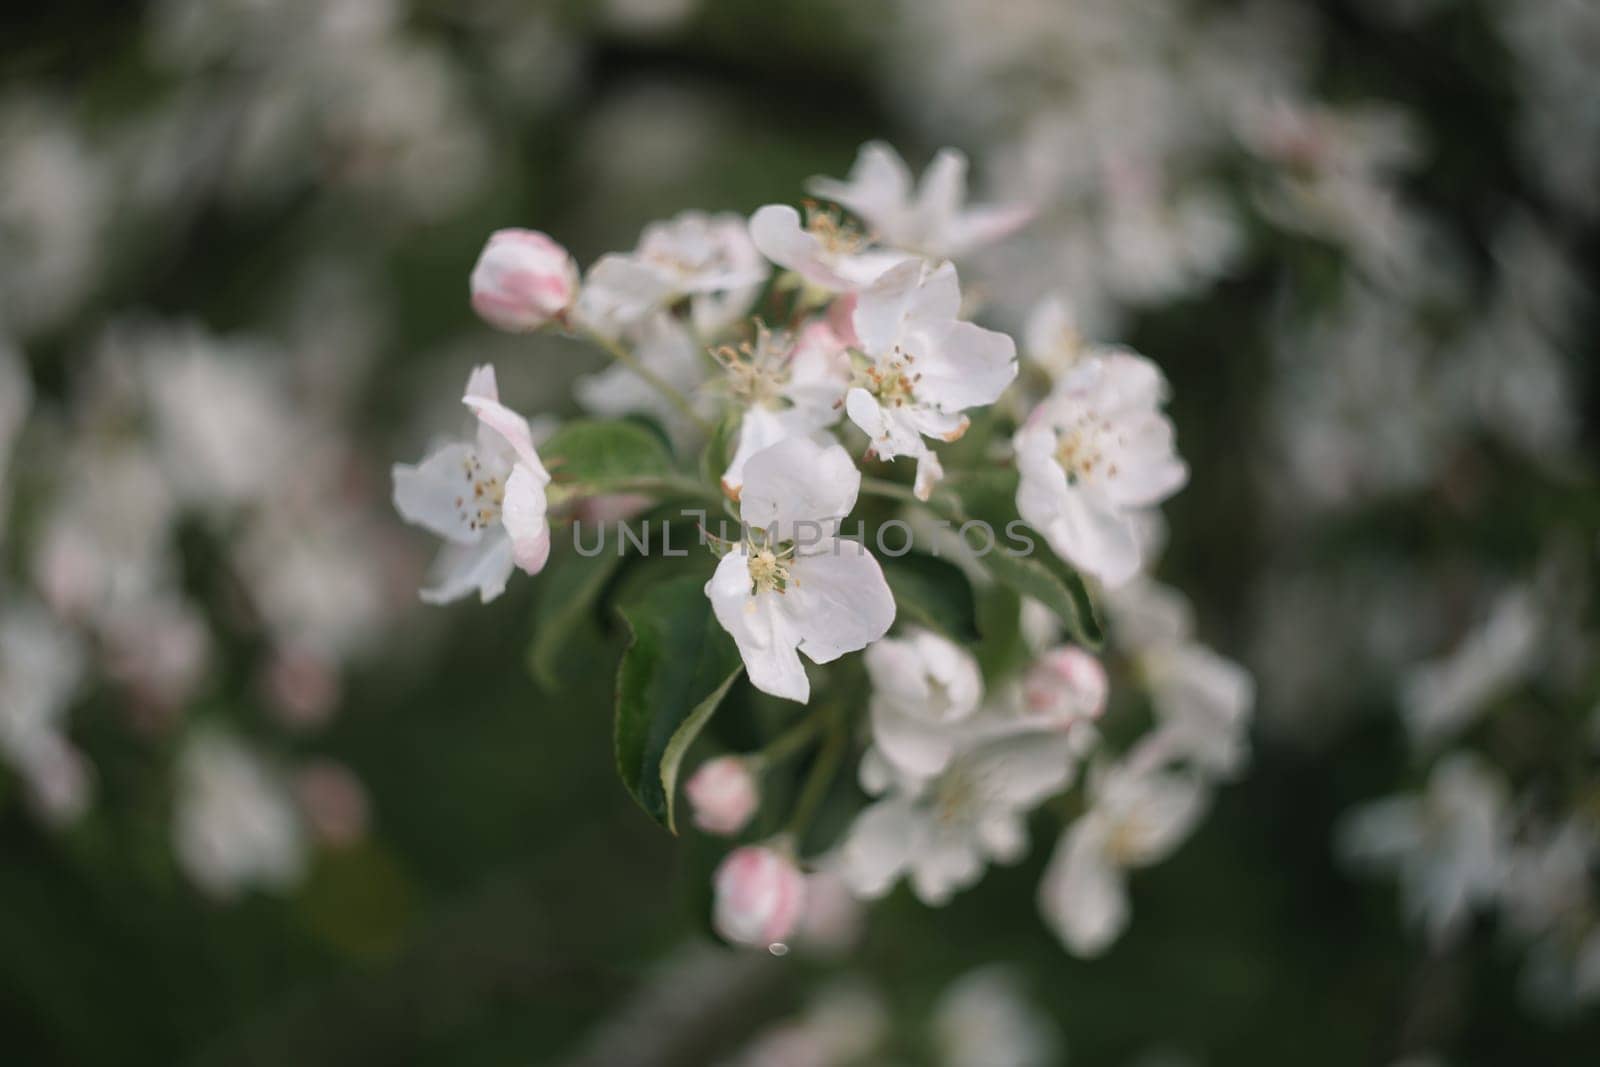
<point>789,387</point>
<point>760,896</point>
<point>1448,844</point>
<point>724,794</point>
<point>1094,454</point>
<point>235,825</point>
<point>924,687</point>
<point>522,280</point>
<point>486,499</point>
<point>942,832</point>
<point>933,220</point>
<point>926,366</point>
<point>792,585</point>
<point>708,258</point>
<point>828,255</point>
<point>1203,702</point>
<point>1135,818</point>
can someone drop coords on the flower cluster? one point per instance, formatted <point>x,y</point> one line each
<point>803,355</point>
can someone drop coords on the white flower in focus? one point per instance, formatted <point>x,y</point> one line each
<point>1442,697</point>
<point>934,220</point>
<point>829,255</point>
<point>798,587</point>
<point>708,258</point>
<point>236,825</point>
<point>924,687</point>
<point>1095,453</point>
<point>486,499</point>
<point>984,1019</point>
<point>926,366</point>
<point>724,795</point>
<point>760,896</point>
<point>788,389</point>
<point>942,832</point>
<point>1448,845</point>
<point>1135,818</point>
<point>522,280</point>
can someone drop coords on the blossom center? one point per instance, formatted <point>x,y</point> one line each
<point>895,383</point>
<point>1079,451</point>
<point>768,571</point>
<point>758,373</point>
<point>837,236</point>
<point>479,506</point>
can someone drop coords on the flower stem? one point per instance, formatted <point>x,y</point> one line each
<point>669,485</point>
<point>821,776</point>
<point>791,740</point>
<point>949,508</point>
<point>620,353</point>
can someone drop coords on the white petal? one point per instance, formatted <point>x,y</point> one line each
<point>766,641</point>
<point>878,846</point>
<point>798,481</point>
<point>915,746</point>
<point>967,367</point>
<point>879,188</point>
<point>778,233</point>
<point>1082,895</point>
<point>838,601</point>
<point>430,494</point>
<point>910,294</point>
<point>618,292</point>
<point>942,192</point>
<point>460,569</point>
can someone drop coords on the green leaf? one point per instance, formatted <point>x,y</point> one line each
<point>568,587</point>
<point>933,592</point>
<point>605,453</point>
<point>1056,586</point>
<point>718,450</point>
<point>678,667</point>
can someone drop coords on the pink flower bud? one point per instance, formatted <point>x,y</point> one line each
<point>723,794</point>
<point>522,280</point>
<point>1066,685</point>
<point>760,896</point>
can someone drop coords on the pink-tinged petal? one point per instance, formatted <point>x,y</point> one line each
<point>978,227</point>
<point>759,896</point>
<point>523,514</point>
<point>481,383</point>
<point>724,795</point>
<point>522,280</point>
<point>513,429</point>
